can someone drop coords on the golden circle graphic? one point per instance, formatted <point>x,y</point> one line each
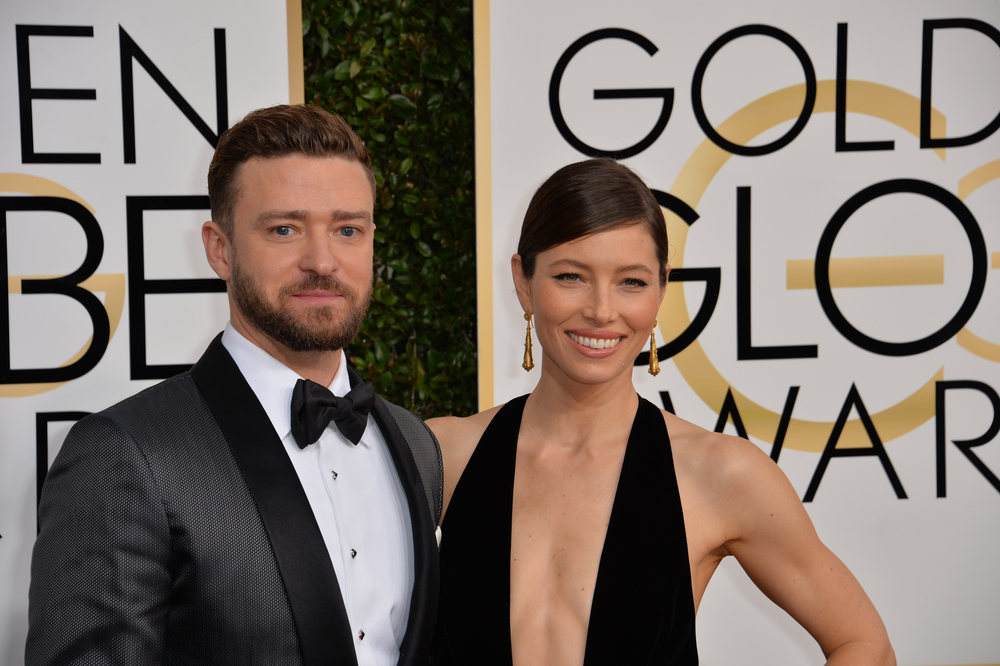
<point>873,99</point>
<point>966,339</point>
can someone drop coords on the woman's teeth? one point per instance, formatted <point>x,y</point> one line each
<point>595,343</point>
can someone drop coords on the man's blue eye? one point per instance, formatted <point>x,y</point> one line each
<point>347,231</point>
<point>283,230</point>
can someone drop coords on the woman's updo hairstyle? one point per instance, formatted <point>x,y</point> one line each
<point>586,198</point>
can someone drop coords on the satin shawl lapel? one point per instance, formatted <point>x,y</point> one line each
<point>313,592</point>
<point>424,600</point>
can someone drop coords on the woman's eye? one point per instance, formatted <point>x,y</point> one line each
<point>568,277</point>
<point>633,282</point>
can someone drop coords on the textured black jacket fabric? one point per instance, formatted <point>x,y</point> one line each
<point>173,530</point>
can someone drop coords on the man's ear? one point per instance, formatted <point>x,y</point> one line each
<point>521,284</point>
<point>218,249</point>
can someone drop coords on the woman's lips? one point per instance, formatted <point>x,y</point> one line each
<point>595,342</point>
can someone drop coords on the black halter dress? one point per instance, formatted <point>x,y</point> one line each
<point>643,606</point>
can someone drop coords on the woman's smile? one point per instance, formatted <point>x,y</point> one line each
<point>594,342</point>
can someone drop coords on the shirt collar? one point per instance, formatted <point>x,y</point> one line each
<point>271,380</point>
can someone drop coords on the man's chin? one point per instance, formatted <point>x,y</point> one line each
<point>310,341</point>
<point>320,330</point>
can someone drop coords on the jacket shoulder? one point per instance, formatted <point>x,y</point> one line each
<point>426,453</point>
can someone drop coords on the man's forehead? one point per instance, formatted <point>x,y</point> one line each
<point>340,174</point>
<point>267,162</point>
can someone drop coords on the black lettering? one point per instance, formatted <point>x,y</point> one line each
<point>712,277</point>
<point>786,419</point>
<point>980,261</point>
<point>666,94</point>
<point>926,70</point>
<point>139,286</point>
<point>745,351</point>
<point>668,404</point>
<point>68,285</point>
<point>26,94</point>
<point>130,50</point>
<point>727,411</point>
<point>699,78</point>
<point>842,145</point>
<point>964,445</point>
<point>831,450</point>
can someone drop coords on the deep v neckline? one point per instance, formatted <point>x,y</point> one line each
<point>642,594</point>
<point>626,460</point>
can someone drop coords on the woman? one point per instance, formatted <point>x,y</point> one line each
<point>582,523</point>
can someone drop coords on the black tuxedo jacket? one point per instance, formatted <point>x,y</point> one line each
<point>174,530</point>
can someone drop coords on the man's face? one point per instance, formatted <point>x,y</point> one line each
<point>301,253</point>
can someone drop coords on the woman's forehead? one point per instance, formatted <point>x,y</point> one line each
<point>632,245</point>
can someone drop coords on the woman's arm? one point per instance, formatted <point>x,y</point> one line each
<point>772,537</point>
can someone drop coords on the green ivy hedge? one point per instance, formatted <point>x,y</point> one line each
<point>400,72</point>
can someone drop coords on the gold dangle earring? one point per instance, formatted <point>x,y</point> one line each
<point>654,360</point>
<point>528,363</point>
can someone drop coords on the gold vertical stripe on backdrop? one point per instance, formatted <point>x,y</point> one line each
<point>484,200</point>
<point>869,272</point>
<point>296,66</point>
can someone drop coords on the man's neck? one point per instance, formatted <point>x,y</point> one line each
<point>318,366</point>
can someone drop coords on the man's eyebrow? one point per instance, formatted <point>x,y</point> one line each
<point>337,215</point>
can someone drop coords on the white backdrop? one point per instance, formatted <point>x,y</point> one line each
<point>125,205</point>
<point>910,229</point>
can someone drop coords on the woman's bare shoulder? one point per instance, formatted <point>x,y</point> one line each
<point>714,458</point>
<point>461,431</point>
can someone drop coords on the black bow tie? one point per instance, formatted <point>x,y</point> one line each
<point>314,406</point>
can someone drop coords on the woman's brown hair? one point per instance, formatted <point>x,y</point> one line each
<point>586,198</point>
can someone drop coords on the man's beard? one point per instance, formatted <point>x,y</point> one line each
<point>317,330</point>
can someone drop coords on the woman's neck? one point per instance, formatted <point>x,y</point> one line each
<point>563,409</point>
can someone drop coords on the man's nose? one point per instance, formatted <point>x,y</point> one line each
<point>318,254</point>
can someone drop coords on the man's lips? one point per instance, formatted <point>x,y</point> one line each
<point>317,295</point>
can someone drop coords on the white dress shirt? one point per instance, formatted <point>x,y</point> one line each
<point>358,502</point>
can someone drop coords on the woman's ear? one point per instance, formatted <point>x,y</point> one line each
<point>521,283</point>
<point>666,281</point>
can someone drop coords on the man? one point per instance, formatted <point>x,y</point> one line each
<point>216,518</point>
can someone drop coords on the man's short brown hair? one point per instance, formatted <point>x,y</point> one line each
<point>277,131</point>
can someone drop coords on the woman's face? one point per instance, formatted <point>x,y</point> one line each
<point>594,302</point>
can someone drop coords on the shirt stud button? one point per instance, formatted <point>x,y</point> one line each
<point>334,475</point>
<point>361,636</point>
<point>354,554</point>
